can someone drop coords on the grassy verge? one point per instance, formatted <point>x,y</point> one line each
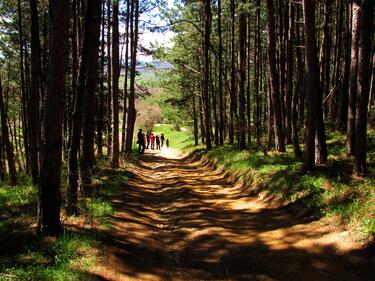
<point>330,190</point>
<point>25,256</point>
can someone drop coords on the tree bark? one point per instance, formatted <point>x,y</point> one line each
<point>87,88</point>
<point>350,134</point>
<point>274,79</point>
<point>133,43</point>
<point>313,86</point>
<point>115,77</point>
<point>220,75</point>
<point>233,102</point>
<point>6,140</point>
<point>126,74</point>
<point>49,198</point>
<point>363,82</point>
<point>242,70</point>
<point>109,81</point>
<point>206,97</point>
<point>101,109</point>
<point>34,120</point>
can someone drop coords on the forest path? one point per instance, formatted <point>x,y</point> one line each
<point>179,218</point>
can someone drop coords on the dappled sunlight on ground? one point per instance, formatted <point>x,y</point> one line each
<point>179,218</point>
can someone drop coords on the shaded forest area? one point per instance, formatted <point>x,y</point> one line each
<point>264,74</point>
<point>282,91</point>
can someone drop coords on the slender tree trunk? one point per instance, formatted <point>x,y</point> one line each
<point>126,74</point>
<point>35,92</point>
<point>206,79</point>
<point>134,43</point>
<point>220,76</point>
<point>195,119</point>
<point>313,86</point>
<point>109,80</point>
<point>2,165</point>
<point>289,76</point>
<point>364,76</point>
<point>73,176</point>
<point>6,140</point>
<point>342,119</point>
<point>233,102</point>
<point>350,134</point>
<point>115,77</point>
<point>101,110</point>
<point>257,74</point>
<point>241,94</point>
<point>201,119</point>
<point>248,77</point>
<point>274,79</point>
<point>50,172</point>
<point>87,88</point>
<point>25,99</point>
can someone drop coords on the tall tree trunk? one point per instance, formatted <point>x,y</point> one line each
<point>49,198</point>
<point>73,177</point>
<point>115,77</point>
<point>313,86</point>
<point>257,74</point>
<point>289,76</point>
<point>350,134</point>
<point>233,102</point>
<point>35,92</point>
<point>364,76</point>
<point>274,79</point>
<point>242,69</point>
<point>195,119</point>
<point>342,119</point>
<point>24,91</point>
<point>87,88</point>
<point>126,74</point>
<point>206,97</point>
<point>220,75</point>
<point>134,15</point>
<point>6,140</point>
<point>101,110</point>
<point>248,77</point>
<point>109,80</point>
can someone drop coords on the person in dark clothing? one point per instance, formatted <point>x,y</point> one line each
<point>162,139</point>
<point>157,142</point>
<point>167,143</point>
<point>148,134</point>
<point>141,142</point>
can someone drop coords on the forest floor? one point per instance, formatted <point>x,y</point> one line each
<point>180,218</point>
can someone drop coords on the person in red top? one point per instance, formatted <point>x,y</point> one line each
<point>152,139</point>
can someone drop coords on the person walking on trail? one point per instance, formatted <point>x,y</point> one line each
<point>152,139</point>
<point>167,143</point>
<point>157,142</point>
<point>148,134</point>
<point>141,142</point>
<point>162,139</point>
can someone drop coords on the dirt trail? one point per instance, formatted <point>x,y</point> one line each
<point>181,219</point>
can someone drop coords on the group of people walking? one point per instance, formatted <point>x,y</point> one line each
<point>149,140</point>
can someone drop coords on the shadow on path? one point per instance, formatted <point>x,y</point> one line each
<point>182,219</point>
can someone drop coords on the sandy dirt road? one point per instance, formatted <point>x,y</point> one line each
<point>180,218</point>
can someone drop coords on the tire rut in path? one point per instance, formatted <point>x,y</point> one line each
<point>181,219</point>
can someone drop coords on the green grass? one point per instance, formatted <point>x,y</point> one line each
<point>148,79</point>
<point>179,138</point>
<point>25,256</point>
